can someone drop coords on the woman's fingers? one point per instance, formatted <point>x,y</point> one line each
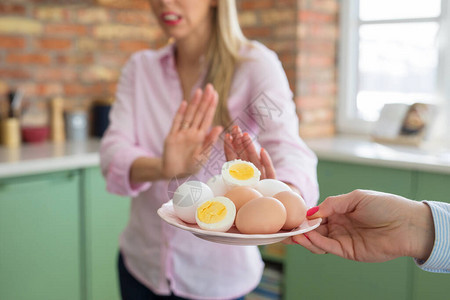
<point>205,103</point>
<point>305,241</point>
<point>238,143</point>
<point>250,150</point>
<point>228,148</point>
<point>207,117</point>
<point>191,110</point>
<point>210,140</point>
<point>267,164</point>
<point>179,116</point>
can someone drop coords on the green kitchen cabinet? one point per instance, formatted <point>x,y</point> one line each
<point>312,276</point>
<point>105,217</point>
<point>430,286</point>
<point>40,237</point>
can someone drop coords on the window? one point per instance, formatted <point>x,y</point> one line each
<point>392,51</point>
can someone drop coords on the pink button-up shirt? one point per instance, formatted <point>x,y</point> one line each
<point>163,257</point>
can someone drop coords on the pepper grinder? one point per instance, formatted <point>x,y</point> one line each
<point>57,120</point>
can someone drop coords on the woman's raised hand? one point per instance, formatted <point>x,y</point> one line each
<point>190,140</point>
<point>370,226</point>
<point>239,145</point>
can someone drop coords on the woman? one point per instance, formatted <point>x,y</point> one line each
<point>155,136</point>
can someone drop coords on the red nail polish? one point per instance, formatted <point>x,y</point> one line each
<point>307,237</point>
<point>312,211</point>
<point>294,241</point>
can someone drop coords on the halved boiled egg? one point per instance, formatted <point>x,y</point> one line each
<point>240,173</point>
<point>216,214</point>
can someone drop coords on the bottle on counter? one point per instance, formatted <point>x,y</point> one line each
<point>57,120</point>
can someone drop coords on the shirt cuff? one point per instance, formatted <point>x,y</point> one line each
<point>118,177</point>
<point>439,260</point>
<point>308,189</point>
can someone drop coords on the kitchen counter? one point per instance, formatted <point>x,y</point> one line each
<point>361,150</point>
<point>47,157</point>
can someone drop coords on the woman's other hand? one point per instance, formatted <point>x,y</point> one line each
<point>188,145</point>
<point>370,226</point>
<point>239,145</point>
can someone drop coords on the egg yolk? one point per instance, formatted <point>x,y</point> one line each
<point>241,171</point>
<point>211,212</point>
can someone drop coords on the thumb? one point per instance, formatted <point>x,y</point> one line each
<point>340,204</point>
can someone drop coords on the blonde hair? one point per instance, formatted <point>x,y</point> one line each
<point>223,56</point>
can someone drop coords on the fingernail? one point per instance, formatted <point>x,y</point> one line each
<point>262,149</point>
<point>307,237</point>
<point>294,241</point>
<point>312,211</point>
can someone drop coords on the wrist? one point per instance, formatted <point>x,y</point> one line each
<point>422,231</point>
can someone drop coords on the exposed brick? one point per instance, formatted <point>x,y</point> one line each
<point>113,60</point>
<point>136,18</point>
<point>90,45</point>
<point>308,131</point>
<point>325,6</point>
<point>117,31</point>
<point>55,74</point>
<point>15,9</point>
<point>93,15</point>
<point>51,13</point>
<point>133,46</point>
<point>75,59</point>
<point>28,58</point>
<point>54,44</point>
<point>14,73</point>
<point>257,4</point>
<point>3,89</point>
<point>248,18</point>
<point>12,42</point>
<point>255,32</point>
<point>314,102</point>
<point>130,4</point>
<point>312,17</point>
<point>99,73</point>
<point>43,89</point>
<point>66,29</point>
<point>91,90</point>
<point>17,25</point>
<point>279,16</point>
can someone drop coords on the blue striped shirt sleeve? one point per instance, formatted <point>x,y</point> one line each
<point>439,260</point>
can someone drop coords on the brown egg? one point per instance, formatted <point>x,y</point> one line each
<point>241,195</point>
<point>261,215</point>
<point>295,208</point>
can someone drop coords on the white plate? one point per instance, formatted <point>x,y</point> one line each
<point>232,236</point>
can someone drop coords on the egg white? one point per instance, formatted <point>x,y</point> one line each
<point>217,185</point>
<point>187,197</point>
<point>270,187</point>
<point>231,181</point>
<point>221,225</point>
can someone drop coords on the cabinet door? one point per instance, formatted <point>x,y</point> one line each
<point>431,285</point>
<point>39,237</point>
<point>311,276</point>
<point>105,217</point>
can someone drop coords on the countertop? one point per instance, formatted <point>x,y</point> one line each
<point>48,157</point>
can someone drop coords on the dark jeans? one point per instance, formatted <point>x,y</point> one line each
<point>131,289</point>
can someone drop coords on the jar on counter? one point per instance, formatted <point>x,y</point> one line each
<point>77,126</point>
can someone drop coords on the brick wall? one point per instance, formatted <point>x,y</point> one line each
<point>75,49</point>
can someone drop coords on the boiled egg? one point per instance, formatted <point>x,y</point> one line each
<point>295,208</point>
<point>263,215</point>
<point>241,195</point>
<point>240,173</point>
<point>216,214</point>
<point>270,187</point>
<point>187,197</point>
<point>216,184</point>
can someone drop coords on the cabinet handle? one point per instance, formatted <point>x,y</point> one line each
<point>56,178</point>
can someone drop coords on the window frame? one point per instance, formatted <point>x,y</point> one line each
<point>347,120</point>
